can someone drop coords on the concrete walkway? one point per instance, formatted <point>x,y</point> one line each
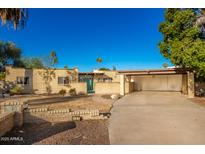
<point>156,118</point>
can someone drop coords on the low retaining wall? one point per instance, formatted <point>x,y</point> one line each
<point>6,122</point>
<point>17,108</point>
<point>45,115</point>
<point>22,114</point>
<point>15,113</point>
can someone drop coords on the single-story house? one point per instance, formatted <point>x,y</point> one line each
<point>39,80</point>
<point>103,82</point>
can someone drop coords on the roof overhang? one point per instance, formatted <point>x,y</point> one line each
<point>90,73</point>
<point>154,71</point>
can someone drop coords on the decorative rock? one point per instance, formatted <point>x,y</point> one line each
<point>114,96</point>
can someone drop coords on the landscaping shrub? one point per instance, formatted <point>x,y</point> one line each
<point>72,92</point>
<point>2,76</point>
<point>62,92</point>
<point>16,90</point>
<point>81,93</point>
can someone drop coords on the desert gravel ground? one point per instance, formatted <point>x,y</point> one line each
<point>101,102</point>
<point>199,100</point>
<point>79,132</point>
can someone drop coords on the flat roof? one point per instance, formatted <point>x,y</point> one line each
<point>153,71</point>
<point>89,73</point>
<point>41,68</point>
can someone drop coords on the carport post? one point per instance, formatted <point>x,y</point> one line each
<point>122,84</point>
<point>190,82</point>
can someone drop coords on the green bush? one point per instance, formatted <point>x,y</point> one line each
<point>62,92</point>
<point>2,76</point>
<point>72,92</point>
<point>16,90</point>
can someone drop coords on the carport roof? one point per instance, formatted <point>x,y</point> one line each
<point>154,71</point>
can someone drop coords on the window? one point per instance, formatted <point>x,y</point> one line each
<point>63,80</point>
<point>104,79</point>
<point>22,80</point>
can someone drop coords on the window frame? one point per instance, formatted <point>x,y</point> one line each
<point>23,80</point>
<point>64,79</point>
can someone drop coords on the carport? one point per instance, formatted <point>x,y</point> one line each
<point>174,79</point>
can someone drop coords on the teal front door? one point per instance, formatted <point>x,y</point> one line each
<point>89,85</point>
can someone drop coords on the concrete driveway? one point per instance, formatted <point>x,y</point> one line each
<point>156,118</point>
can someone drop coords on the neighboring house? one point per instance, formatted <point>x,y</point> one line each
<point>105,82</point>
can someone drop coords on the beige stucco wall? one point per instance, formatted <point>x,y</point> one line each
<point>129,87</point>
<point>107,88</point>
<point>190,84</point>
<point>37,83</point>
<point>13,73</point>
<point>158,82</point>
<point>113,74</point>
<point>184,84</point>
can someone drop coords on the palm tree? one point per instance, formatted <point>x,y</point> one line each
<point>165,65</point>
<point>99,60</point>
<point>16,16</point>
<point>54,58</point>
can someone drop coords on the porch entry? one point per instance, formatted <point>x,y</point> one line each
<point>89,85</point>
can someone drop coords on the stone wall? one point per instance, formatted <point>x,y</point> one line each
<point>16,107</point>
<point>23,114</point>
<point>6,122</point>
<point>16,112</point>
<point>45,115</point>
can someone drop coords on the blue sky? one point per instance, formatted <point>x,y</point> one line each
<point>125,38</point>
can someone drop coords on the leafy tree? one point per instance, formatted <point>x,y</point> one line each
<point>114,68</point>
<point>99,60</point>
<point>165,65</point>
<point>53,58</point>
<point>32,63</point>
<point>104,69</point>
<point>2,76</point>
<point>48,73</point>
<point>9,54</point>
<point>16,16</point>
<point>181,42</point>
<point>66,67</point>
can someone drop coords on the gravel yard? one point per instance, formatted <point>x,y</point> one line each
<point>101,102</point>
<point>199,100</point>
<point>79,132</point>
